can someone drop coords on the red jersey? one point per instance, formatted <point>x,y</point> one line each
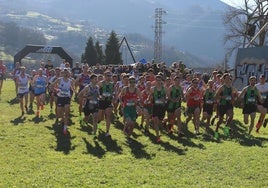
<point>130,98</point>
<point>194,98</point>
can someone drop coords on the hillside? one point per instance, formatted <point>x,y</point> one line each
<point>185,30</point>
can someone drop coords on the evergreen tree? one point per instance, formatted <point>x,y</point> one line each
<point>112,53</point>
<point>90,55</point>
<point>100,55</point>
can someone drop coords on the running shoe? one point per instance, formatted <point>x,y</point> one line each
<point>216,135</point>
<point>181,134</point>
<point>258,125</point>
<point>146,131</point>
<point>265,122</point>
<point>213,120</point>
<point>226,131</point>
<point>65,131</point>
<point>158,139</point>
<point>26,108</point>
<point>107,134</point>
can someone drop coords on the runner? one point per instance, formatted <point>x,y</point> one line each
<point>81,81</point>
<point>209,103</point>
<point>107,94</point>
<point>65,85</point>
<point>91,94</point>
<point>39,85</point>
<point>250,95</point>
<point>23,89</point>
<point>2,74</point>
<point>147,107</point>
<point>175,97</point>
<point>225,95</point>
<point>130,95</point>
<point>158,98</point>
<point>31,89</point>
<point>193,101</point>
<point>262,87</point>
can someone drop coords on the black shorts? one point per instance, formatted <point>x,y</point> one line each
<point>249,108</point>
<point>172,107</point>
<point>222,109</point>
<point>208,108</point>
<point>20,95</point>
<point>62,101</point>
<point>191,109</point>
<point>159,111</point>
<point>104,104</point>
<point>90,108</point>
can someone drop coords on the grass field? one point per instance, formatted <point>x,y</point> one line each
<point>35,153</point>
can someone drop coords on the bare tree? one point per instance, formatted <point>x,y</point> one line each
<point>242,22</point>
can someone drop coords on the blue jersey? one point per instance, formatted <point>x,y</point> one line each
<point>40,85</point>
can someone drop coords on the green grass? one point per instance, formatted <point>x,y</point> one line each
<point>34,153</point>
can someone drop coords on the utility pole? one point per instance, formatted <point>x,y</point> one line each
<point>158,34</point>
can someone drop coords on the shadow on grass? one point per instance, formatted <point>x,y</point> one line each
<point>110,144</point>
<point>85,127</point>
<point>166,145</point>
<point>13,101</point>
<point>239,133</point>
<point>38,120</point>
<point>18,120</point>
<point>63,141</point>
<point>96,150</point>
<point>137,150</point>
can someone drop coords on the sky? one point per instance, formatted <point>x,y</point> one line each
<point>235,3</point>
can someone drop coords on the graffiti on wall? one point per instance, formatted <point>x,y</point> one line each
<point>250,62</point>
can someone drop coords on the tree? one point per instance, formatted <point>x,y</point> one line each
<point>112,53</point>
<point>90,55</point>
<point>100,55</point>
<point>242,23</point>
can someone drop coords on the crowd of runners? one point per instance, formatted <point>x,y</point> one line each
<point>160,95</point>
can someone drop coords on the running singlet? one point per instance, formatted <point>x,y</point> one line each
<point>159,96</point>
<point>251,96</point>
<point>176,93</point>
<point>23,84</point>
<point>84,80</point>
<point>209,97</point>
<point>2,71</point>
<point>130,99</point>
<point>227,94</point>
<point>195,98</point>
<point>145,96</point>
<point>107,91</point>
<point>40,85</point>
<point>93,92</point>
<point>64,88</point>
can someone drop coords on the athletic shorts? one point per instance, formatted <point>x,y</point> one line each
<point>130,112</point>
<point>159,111</point>
<point>20,95</point>
<point>208,108</point>
<point>104,104</point>
<point>249,108</point>
<point>90,108</point>
<point>191,109</point>
<point>62,101</point>
<point>222,109</point>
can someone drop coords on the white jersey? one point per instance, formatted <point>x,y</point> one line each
<point>263,89</point>
<point>23,84</point>
<point>64,88</point>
